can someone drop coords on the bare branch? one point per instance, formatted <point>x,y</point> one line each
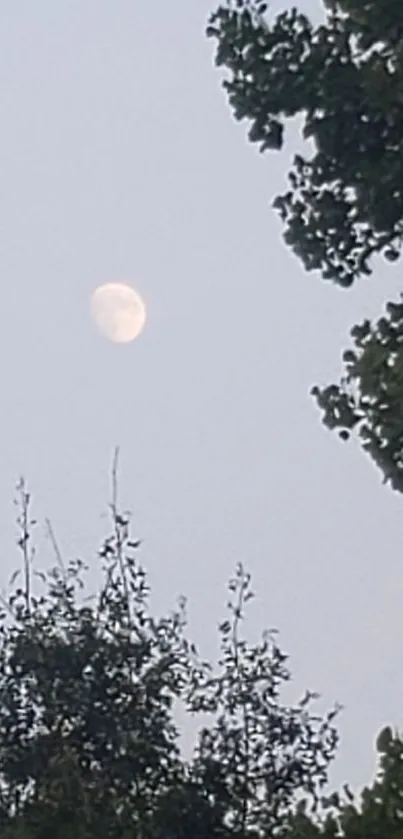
<point>55,546</point>
<point>115,466</point>
<point>23,542</point>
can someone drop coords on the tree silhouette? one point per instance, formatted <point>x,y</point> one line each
<point>89,684</point>
<point>344,202</point>
<point>344,77</point>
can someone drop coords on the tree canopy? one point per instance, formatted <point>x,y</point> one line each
<point>89,746</point>
<point>344,204</point>
<point>89,682</point>
<point>345,78</point>
<point>369,397</point>
<point>378,814</point>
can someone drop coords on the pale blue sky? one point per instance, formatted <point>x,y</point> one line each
<point>119,159</point>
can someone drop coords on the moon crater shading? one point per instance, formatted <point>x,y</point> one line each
<point>118,312</point>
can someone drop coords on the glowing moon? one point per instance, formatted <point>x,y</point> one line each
<point>118,312</point>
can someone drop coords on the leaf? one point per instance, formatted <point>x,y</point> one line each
<point>14,576</point>
<point>384,740</point>
<point>391,254</point>
<point>349,357</point>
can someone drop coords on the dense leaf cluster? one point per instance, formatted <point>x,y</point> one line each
<point>369,397</point>
<point>345,78</point>
<point>379,812</point>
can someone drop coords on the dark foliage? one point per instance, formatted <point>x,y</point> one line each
<point>369,397</point>
<point>344,203</point>
<point>89,684</point>
<point>345,78</point>
<point>379,812</point>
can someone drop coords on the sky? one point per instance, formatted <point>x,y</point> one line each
<point>120,161</point>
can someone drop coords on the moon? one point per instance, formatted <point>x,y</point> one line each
<point>118,312</point>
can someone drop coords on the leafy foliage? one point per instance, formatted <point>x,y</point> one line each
<point>260,752</point>
<point>89,684</point>
<point>377,815</point>
<point>345,78</point>
<point>369,397</point>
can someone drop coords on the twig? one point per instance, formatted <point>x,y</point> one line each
<point>119,524</point>
<point>115,465</point>
<point>7,606</point>
<point>23,521</point>
<point>55,546</point>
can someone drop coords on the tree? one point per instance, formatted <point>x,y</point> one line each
<point>344,204</point>
<point>345,78</point>
<point>369,397</point>
<point>378,814</point>
<point>88,686</point>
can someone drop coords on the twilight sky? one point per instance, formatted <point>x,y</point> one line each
<point>120,160</point>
